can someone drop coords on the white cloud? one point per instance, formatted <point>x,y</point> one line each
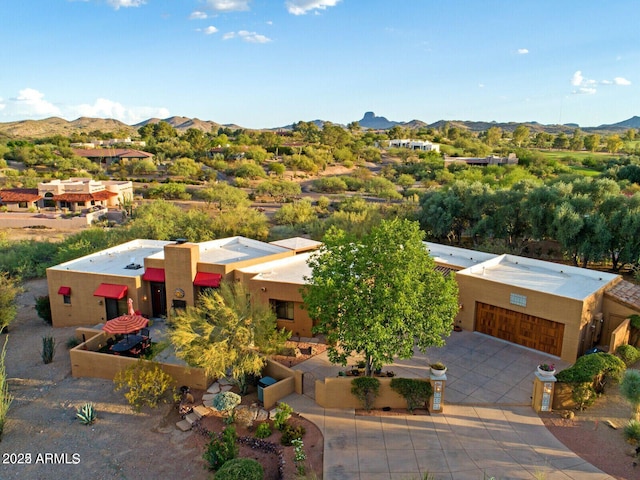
<point>301,7</point>
<point>103,108</point>
<point>606,82</point>
<point>577,78</point>
<point>481,85</point>
<point>210,29</point>
<point>229,35</point>
<point>229,5</point>
<point>31,102</point>
<point>253,37</point>
<point>621,81</point>
<point>585,91</point>
<point>198,15</point>
<point>522,51</point>
<point>125,3</point>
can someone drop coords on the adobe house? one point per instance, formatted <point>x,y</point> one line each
<point>157,275</point>
<point>557,309</point>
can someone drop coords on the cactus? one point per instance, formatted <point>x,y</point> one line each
<point>87,414</point>
<point>48,348</point>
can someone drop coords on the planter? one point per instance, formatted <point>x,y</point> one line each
<point>546,373</point>
<point>438,372</point>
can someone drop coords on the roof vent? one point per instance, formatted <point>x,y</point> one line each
<point>133,266</point>
<point>180,241</point>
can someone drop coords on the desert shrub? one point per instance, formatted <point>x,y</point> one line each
<point>632,431</point>
<point>221,449</point>
<point>416,392</point>
<point>226,402</point>
<point>240,469</point>
<point>290,433</point>
<point>366,389</point>
<point>630,390</point>
<point>43,309</point>
<point>146,384</point>
<point>48,348</point>
<point>283,412</point>
<point>628,353</point>
<point>589,375</point>
<point>263,430</point>
<point>9,290</point>
<point>243,417</point>
<point>5,397</point>
<point>72,342</point>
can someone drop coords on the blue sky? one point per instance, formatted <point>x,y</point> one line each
<point>269,63</point>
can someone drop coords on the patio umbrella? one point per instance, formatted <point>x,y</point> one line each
<point>125,324</point>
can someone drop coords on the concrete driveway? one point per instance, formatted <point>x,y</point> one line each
<point>488,428</point>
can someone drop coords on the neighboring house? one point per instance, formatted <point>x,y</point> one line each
<point>107,156</point>
<point>20,199</point>
<point>80,193</point>
<point>511,159</point>
<point>422,145</point>
<point>552,308</point>
<point>74,194</point>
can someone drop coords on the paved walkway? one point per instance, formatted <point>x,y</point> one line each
<point>488,428</point>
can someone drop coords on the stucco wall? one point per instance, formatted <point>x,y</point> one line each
<point>572,313</point>
<point>87,362</point>
<point>85,309</point>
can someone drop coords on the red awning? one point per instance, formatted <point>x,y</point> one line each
<point>154,275</point>
<point>109,290</point>
<point>64,291</point>
<point>204,279</point>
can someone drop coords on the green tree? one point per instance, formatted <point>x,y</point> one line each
<point>379,295</point>
<point>614,143</point>
<point>9,290</point>
<point>296,213</point>
<point>561,141</point>
<point>226,332</point>
<point>630,390</point>
<point>5,397</point>
<point>185,167</point>
<point>493,136</point>
<point>224,196</point>
<point>520,135</point>
<point>592,142</point>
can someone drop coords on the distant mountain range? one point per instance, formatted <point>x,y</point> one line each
<point>58,126</point>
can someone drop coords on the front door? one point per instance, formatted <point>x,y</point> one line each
<point>158,299</point>
<point>111,304</point>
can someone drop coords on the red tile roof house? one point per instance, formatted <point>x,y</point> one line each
<point>107,156</point>
<point>20,199</point>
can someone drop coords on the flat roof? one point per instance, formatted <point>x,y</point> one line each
<point>286,270</point>
<point>114,260</point>
<point>541,276</point>
<point>455,256</point>
<point>236,249</point>
<point>298,244</point>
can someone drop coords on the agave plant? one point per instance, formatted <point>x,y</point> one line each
<point>48,348</point>
<point>87,414</point>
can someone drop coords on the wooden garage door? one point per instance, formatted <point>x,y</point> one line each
<point>520,328</point>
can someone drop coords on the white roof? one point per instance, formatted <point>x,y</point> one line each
<point>541,276</point>
<point>455,256</point>
<point>236,249</point>
<point>297,243</point>
<point>286,270</point>
<point>114,260</point>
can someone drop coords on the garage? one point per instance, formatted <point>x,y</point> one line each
<point>516,327</point>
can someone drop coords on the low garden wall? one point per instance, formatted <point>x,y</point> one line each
<point>86,361</point>
<point>289,381</point>
<point>335,392</point>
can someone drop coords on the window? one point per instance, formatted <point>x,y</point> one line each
<point>283,309</point>
<point>22,204</point>
<point>66,299</point>
<point>520,300</point>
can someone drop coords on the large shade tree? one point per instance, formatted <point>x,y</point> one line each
<point>227,334</point>
<point>379,295</point>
